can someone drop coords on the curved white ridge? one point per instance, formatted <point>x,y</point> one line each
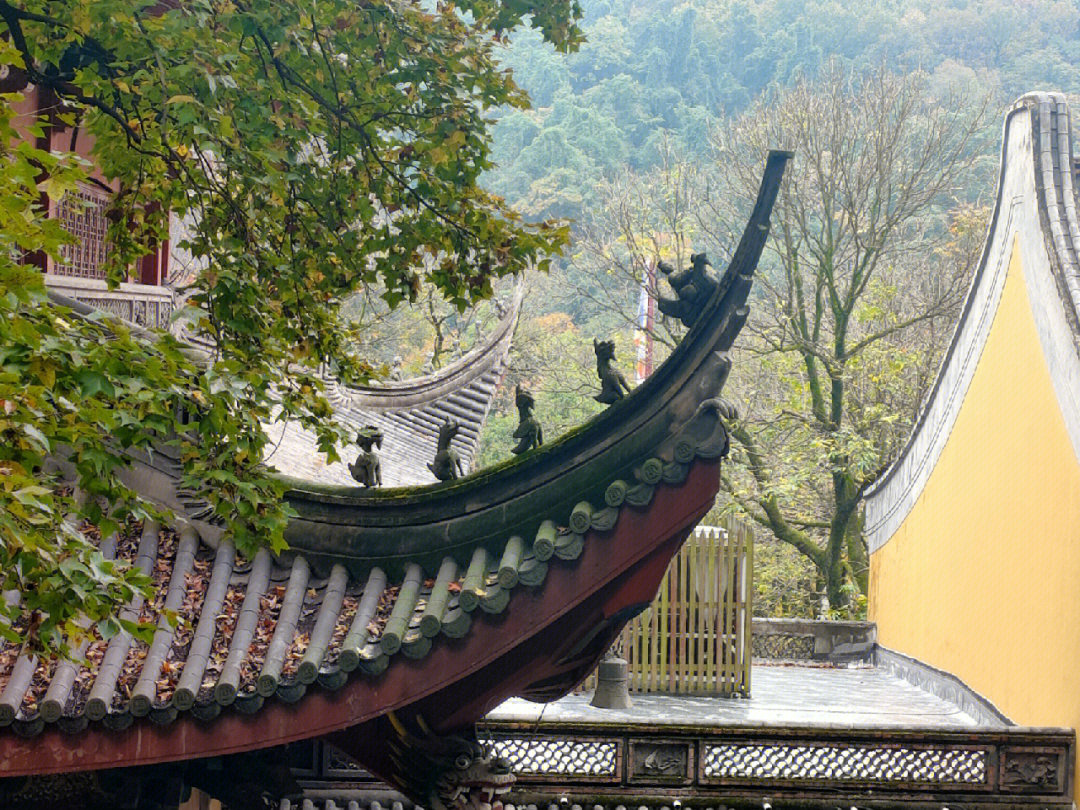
<point>1035,197</point>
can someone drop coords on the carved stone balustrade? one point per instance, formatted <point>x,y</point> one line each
<point>142,304</point>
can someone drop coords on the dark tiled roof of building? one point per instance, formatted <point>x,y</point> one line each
<point>266,628</point>
<point>409,413</point>
<point>375,581</point>
<point>250,629</point>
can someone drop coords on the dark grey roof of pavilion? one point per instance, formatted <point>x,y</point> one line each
<point>409,413</point>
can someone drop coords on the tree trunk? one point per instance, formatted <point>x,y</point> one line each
<point>846,499</point>
<point>858,559</point>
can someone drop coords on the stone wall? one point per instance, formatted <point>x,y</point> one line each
<point>813,640</point>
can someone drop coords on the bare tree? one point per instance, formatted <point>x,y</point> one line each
<point>855,299</point>
<point>641,219</point>
<point>424,337</point>
<point>866,272</point>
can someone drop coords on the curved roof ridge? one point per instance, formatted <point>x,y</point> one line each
<point>395,394</point>
<point>409,414</point>
<point>1036,167</point>
<point>1057,196</point>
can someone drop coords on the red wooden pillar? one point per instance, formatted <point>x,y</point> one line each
<point>154,267</point>
<point>148,269</point>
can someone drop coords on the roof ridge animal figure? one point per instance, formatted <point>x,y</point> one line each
<point>447,465</point>
<point>367,469</point>
<point>692,287</point>
<point>528,430</point>
<point>613,385</point>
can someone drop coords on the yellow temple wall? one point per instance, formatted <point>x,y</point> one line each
<point>982,578</point>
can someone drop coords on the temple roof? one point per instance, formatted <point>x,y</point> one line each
<point>409,413</point>
<point>252,630</point>
<point>391,597</point>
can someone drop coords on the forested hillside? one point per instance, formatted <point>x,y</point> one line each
<point>652,69</point>
<point>648,139</point>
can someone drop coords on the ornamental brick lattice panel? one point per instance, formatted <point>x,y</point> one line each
<point>635,765</point>
<point>83,215</point>
<point>838,762</point>
<point>560,757</point>
<point>783,647</point>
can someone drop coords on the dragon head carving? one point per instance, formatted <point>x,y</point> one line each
<point>448,772</point>
<point>475,779</point>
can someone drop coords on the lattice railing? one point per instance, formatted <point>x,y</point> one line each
<point>143,304</point>
<point>560,757</point>
<point>971,765</point>
<point>783,647</point>
<point>638,766</point>
<point>834,762</point>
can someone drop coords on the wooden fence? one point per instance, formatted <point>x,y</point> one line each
<point>695,636</point>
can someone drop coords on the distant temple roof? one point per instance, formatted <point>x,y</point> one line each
<point>409,413</point>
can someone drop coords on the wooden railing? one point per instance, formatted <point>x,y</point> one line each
<point>695,636</point>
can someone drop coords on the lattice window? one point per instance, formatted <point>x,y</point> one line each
<point>919,765</point>
<point>783,647</point>
<point>566,757</point>
<point>83,215</point>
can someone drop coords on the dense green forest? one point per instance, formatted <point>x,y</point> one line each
<point>652,69</point>
<point>636,136</point>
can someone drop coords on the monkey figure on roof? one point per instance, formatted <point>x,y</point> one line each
<point>692,286</point>
<point>613,385</point>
